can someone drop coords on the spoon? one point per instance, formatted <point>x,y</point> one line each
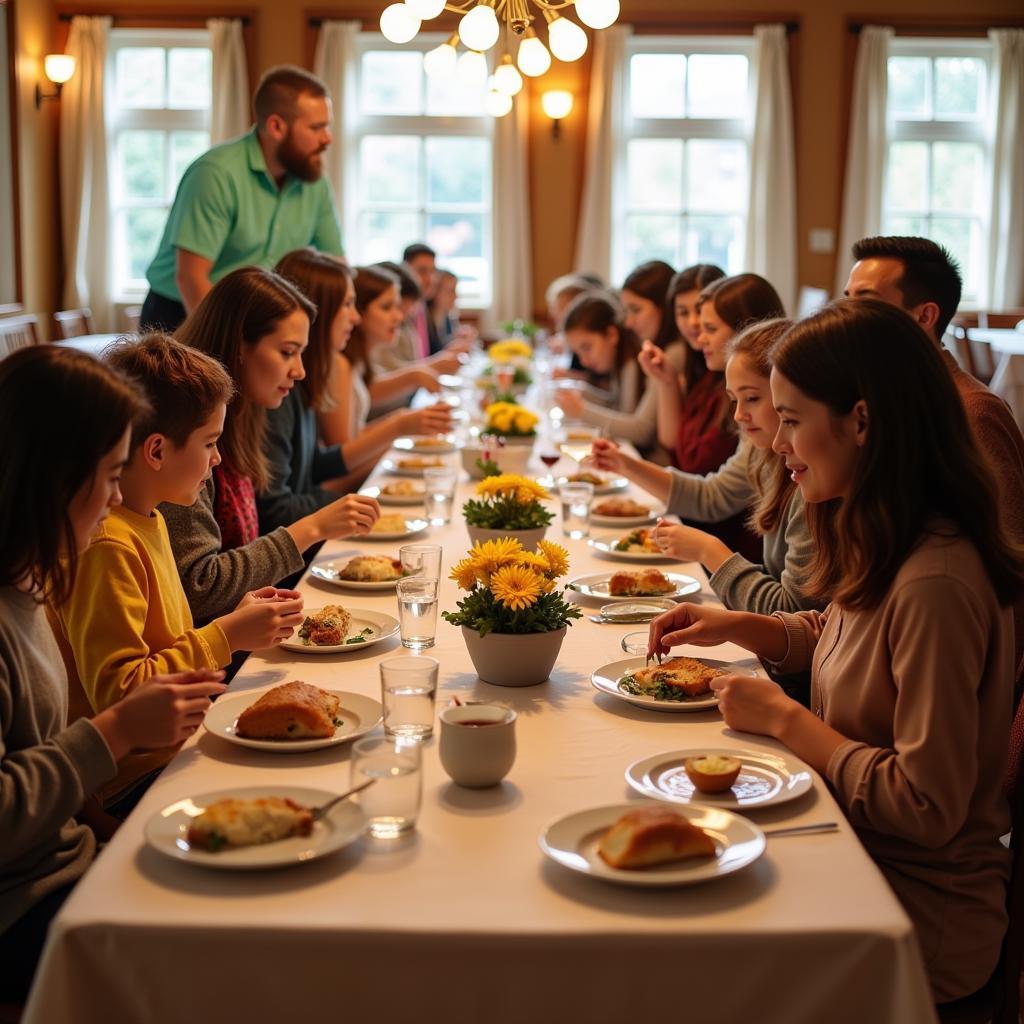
<point>319,813</point>
<point>804,830</point>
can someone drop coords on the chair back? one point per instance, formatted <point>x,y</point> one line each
<point>73,323</point>
<point>18,332</point>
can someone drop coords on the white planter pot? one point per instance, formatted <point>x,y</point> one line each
<point>528,538</point>
<point>513,659</point>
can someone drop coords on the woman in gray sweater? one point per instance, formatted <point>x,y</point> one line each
<point>753,476</point>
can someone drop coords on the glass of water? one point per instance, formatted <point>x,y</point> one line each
<point>417,611</point>
<point>392,804</point>
<point>439,494</point>
<point>421,560</point>
<point>576,501</point>
<point>408,686</point>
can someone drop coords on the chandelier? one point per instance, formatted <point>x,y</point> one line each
<point>480,28</point>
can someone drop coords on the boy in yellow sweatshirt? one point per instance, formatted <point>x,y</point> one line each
<point>128,619</point>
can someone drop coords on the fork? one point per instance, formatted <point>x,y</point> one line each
<point>804,830</point>
<point>319,813</point>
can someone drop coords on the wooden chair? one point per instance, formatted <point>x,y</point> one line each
<point>18,332</point>
<point>132,315</point>
<point>73,323</point>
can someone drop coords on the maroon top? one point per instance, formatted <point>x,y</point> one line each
<point>234,507</point>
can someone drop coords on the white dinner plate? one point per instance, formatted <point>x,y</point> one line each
<point>627,521</point>
<point>358,716</point>
<point>329,571</point>
<point>425,445</point>
<point>394,499</point>
<point>606,546</point>
<point>607,678</point>
<point>596,585</point>
<point>383,626</point>
<point>166,830</point>
<point>764,779</point>
<point>572,842</point>
<point>392,466</point>
<point>610,486</point>
<point>412,527</point>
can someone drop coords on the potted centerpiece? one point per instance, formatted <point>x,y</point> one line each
<point>515,423</point>
<point>513,616</point>
<point>509,369</point>
<point>508,505</point>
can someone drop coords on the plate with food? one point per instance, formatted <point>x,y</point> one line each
<point>252,827</point>
<point>397,492</point>
<point>626,584</point>
<point>363,572</point>
<point>603,484</point>
<point>636,546</point>
<point>639,844</point>
<point>623,512</point>
<point>394,526</point>
<point>738,780</point>
<point>677,684</point>
<point>433,444</point>
<point>337,630</point>
<point>412,465</point>
<point>292,718</point>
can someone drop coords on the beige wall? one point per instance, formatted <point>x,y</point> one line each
<point>555,165</point>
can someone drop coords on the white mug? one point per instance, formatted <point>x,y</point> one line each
<point>478,743</point>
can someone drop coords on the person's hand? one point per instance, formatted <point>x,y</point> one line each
<point>263,618</point>
<point>462,341</point>
<point>703,625</point>
<point>752,704</point>
<point>428,379</point>
<point>434,419</point>
<point>446,361</point>
<point>606,455</point>
<point>354,514</point>
<point>653,362</point>
<point>571,402</point>
<point>683,542</point>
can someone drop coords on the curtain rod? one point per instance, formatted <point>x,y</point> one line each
<point>196,17</point>
<point>790,26</point>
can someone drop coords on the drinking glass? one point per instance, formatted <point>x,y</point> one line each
<point>408,686</point>
<point>576,501</point>
<point>392,804</point>
<point>417,611</point>
<point>421,560</point>
<point>439,494</point>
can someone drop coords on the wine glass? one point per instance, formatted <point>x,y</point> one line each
<point>550,459</point>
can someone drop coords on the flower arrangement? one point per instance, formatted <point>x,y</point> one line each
<point>509,350</point>
<point>510,420</point>
<point>508,502</point>
<point>511,590</point>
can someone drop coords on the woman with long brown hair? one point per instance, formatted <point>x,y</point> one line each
<point>644,298</point>
<point>912,662</point>
<point>256,325</point>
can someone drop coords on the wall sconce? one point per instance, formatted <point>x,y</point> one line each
<point>557,103</point>
<point>58,67</point>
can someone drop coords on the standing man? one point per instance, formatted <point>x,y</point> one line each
<point>423,262</point>
<point>248,201</point>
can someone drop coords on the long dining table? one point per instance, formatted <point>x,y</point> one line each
<point>465,920</point>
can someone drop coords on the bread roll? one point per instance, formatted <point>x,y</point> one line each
<point>291,711</point>
<point>713,774</point>
<point>653,835</point>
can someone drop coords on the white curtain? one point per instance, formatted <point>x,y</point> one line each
<point>335,63</point>
<point>1006,255</point>
<point>512,267</point>
<point>606,112</point>
<point>864,182</point>
<point>771,209</point>
<point>84,191</point>
<point>229,115</point>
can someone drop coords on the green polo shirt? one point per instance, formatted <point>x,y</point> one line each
<point>229,210</point>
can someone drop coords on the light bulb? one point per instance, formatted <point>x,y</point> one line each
<point>557,103</point>
<point>479,28</point>
<point>497,104</point>
<point>597,13</point>
<point>58,67</point>
<point>533,57</point>
<point>398,24</point>
<point>472,68</point>
<point>426,9</point>
<point>506,79</point>
<point>567,40</point>
<point>440,61</point>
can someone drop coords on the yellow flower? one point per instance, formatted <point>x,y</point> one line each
<point>556,556</point>
<point>464,574</point>
<point>507,349</point>
<point>502,422</point>
<point>492,555</point>
<point>512,485</point>
<point>525,421</point>
<point>516,587</point>
<point>534,562</point>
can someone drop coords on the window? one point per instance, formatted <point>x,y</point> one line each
<point>681,179</point>
<point>158,117</point>
<point>423,159</point>
<point>938,161</point>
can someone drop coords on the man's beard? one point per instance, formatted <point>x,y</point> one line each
<point>305,167</point>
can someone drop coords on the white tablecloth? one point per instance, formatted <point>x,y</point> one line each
<point>1008,380</point>
<point>93,344</point>
<point>465,921</point>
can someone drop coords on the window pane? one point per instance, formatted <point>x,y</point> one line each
<point>717,85</point>
<point>717,175</point>
<point>909,86</point>
<point>186,147</point>
<point>456,234</point>
<point>457,170</point>
<point>385,234</point>
<point>458,95</point>
<point>917,226</point>
<point>956,176</point>
<point>392,82</point>
<point>657,84</point>
<point>188,71</point>
<point>962,237</point>
<point>141,162</point>
<point>143,229</point>
<point>654,176</point>
<point>907,187</point>
<point>472,274</point>
<point>140,76</point>
<point>390,169</point>
<point>650,237</point>
<point>958,86</point>
<point>714,240</point>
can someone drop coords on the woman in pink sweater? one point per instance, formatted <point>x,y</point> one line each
<point>912,662</point>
